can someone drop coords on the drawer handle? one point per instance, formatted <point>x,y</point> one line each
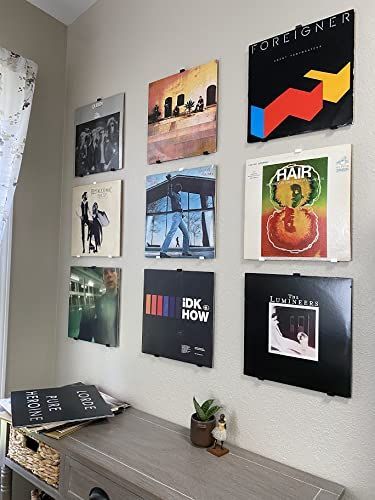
<point>98,494</point>
<point>31,444</point>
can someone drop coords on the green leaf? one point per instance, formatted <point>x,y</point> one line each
<point>212,411</point>
<point>200,413</point>
<point>207,404</point>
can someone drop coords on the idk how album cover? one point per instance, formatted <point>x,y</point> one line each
<point>178,315</point>
<point>302,80</point>
<point>298,331</point>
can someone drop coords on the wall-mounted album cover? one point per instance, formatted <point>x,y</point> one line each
<point>94,304</point>
<point>182,113</point>
<point>178,311</point>
<point>302,80</point>
<point>298,331</point>
<point>96,219</point>
<point>297,205</point>
<point>98,136</point>
<point>180,213</point>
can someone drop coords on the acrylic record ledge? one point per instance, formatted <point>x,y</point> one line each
<point>138,456</point>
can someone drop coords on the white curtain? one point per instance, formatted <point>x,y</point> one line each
<point>17,82</point>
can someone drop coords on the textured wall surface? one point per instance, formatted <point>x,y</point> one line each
<point>33,294</point>
<point>121,45</point>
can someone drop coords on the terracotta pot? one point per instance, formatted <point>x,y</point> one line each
<point>200,432</point>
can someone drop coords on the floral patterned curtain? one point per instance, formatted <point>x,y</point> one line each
<point>17,81</point>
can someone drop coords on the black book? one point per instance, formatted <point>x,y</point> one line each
<point>71,403</point>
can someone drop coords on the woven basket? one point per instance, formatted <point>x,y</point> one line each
<point>39,458</point>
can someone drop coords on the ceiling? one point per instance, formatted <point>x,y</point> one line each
<point>65,11</point>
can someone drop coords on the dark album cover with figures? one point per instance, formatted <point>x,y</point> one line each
<point>94,304</point>
<point>298,331</point>
<point>98,137</point>
<point>302,80</point>
<point>178,314</point>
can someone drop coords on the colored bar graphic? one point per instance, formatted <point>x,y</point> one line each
<point>148,303</point>
<point>178,307</point>
<point>172,306</point>
<point>300,104</point>
<point>153,304</point>
<point>335,85</point>
<point>292,102</point>
<point>159,311</point>
<point>165,305</point>
<point>257,121</point>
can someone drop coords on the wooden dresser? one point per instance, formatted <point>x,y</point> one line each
<point>137,456</point>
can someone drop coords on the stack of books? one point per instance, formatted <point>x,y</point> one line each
<point>59,411</point>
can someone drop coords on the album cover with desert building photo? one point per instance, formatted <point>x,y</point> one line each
<point>182,114</point>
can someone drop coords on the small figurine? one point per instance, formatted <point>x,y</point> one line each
<point>220,434</point>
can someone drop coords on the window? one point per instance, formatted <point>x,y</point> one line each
<point>211,95</point>
<point>5,257</point>
<point>168,107</point>
<point>199,220</point>
<point>181,100</point>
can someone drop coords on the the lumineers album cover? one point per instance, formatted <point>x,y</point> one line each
<point>293,330</point>
<point>98,138</point>
<point>182,114</point>
<point>180,213</point>
<point>297,205</point>
<point>96,219</point>
<point>302,80</point>
<point>178,314</point>
<point>298,331</point>
<point>94,304</point>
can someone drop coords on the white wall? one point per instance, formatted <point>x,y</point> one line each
<point>35,252</point>
<point>121,45</point>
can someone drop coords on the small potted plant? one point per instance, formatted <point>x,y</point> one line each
<point>189,106</point>
<point>203,421</point>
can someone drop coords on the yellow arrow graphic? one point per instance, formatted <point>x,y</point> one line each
<point>335,85</point>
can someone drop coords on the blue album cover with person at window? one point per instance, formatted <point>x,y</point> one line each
<point>180,213</point>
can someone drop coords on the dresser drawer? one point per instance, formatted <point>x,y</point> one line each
<point>81,481</point>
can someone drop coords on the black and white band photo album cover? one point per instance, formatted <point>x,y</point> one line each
<point>302,80</point>
<point>298,331</point>
<point>178,315</point>
<point>180,213</point>
<point>96,219</point>
<point>99,136</point>
<point>94,304</point>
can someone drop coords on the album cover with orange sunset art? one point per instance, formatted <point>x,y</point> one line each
<point>298,206</point>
